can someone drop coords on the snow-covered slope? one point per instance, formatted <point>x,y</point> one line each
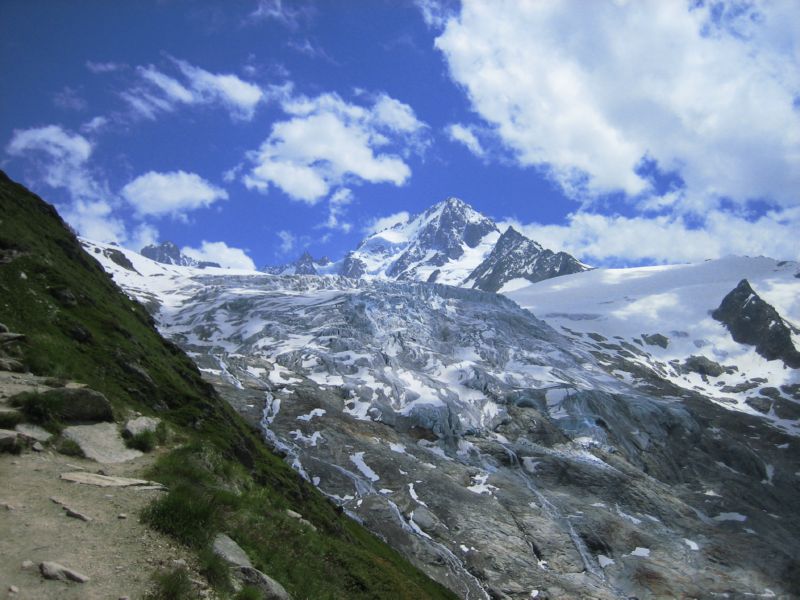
<point>443,244</point>
<point>658,317</point>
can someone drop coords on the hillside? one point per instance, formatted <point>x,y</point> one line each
<point>220,476</point>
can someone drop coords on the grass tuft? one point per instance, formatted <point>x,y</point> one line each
<point>172,585</point>
<point>144,441</point>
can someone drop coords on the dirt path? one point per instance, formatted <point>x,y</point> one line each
<point>119,555</point>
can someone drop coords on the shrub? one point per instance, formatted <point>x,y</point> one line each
<point>9,420</point>
<point>185,512</point>
<point>215,569</point>
<point>249,593</point>
<point>172,585</point>
<point>69,447</point>
<point>144,441</point>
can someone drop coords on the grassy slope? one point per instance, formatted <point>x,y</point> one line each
<point>81,326</point>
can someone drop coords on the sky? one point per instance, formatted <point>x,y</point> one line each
<point>249,131</point>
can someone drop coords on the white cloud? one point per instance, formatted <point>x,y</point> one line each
<point>103,67</point>
<point>277,10</point>
<point>329,141</point>
<point>380,223</point>
<point>464,135</point>
<point>239,96</point>
<point>287,241</point>
<point>618,240</point>
<point>589,89</point>
<point>69,99</point>
<point>173,193</point>
<point>94,124</point>
<point>60,157</point>
<point>336,209</point>
<point>222,254</point>
<point>158,92</point>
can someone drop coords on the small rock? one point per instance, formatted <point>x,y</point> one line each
<point>122,516</point>
<point>76,515</point>
<point>27,564</point>
<point>179,563</point>
<point>13,589</point>
<point>54,570</point>
<point>7,506</point>
<point>3,328</point>
<point>268,586</point>
<point>294,515</point>
<point>37,447</point>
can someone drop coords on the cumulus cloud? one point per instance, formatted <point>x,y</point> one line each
<point>222,254</point>
<point>587,91</point>
<point>464,135</point>
<point>157,92</point>
<point>174,193</point>
<point>328,142</point>
<point>380,223</point>
<point>614,240</point>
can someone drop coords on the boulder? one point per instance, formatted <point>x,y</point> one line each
<point>101,442</point>
<point>54,570</point>
<point>78,404</point>
<point>33,432</point>
<point>243,570</point>
<point>230,551</point>
<point>11,364</point>
<point>271,589</point>
<point>9,441</point>
<point>140,425</point>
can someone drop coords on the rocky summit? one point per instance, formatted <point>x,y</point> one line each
<point>596,434</point>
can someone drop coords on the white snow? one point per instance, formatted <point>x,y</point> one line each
<point>692,545</point>
<point>413,494</point>
<point>730,516</point>
<point>479,485</point>
<point>604,560</point>
<point>639,551</point>
<point>317,412</point>
<point>358,460</point>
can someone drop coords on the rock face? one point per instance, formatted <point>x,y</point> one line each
<point>305,265</point>
<point>514,257</point>
<point>169,254</point>
<point>752,321</point>
<point>78,404</point>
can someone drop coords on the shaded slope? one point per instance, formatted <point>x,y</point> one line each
<point>80,325</point>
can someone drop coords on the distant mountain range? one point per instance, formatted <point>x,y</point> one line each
<point>449,243</point>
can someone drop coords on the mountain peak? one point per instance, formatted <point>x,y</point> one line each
<point>169,254</point>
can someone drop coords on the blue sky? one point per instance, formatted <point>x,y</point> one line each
<point>246,132</point>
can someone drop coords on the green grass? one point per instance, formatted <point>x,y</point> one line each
<point>39,410</point>
<point>222,478</point>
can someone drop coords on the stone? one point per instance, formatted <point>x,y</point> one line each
<point>79,404</point>
<point>33,432</point>
<point>27,564</point>
<point>230,551</point>
<point>140,425</point>
<point>101,442</point>
<point>109,481</point>
<point>122,516</point>
<point>7,506</point>
<point>10,364</point>
<point>56,571</point>
<point>9,441</point>
<point>77,515</point>
<point>37,447</point>
<point>703,366</point>
<point>12,589</point>
<point>271,589</point>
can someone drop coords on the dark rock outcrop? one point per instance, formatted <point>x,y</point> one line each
<point>753,321</point>
<point>515,256</point>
